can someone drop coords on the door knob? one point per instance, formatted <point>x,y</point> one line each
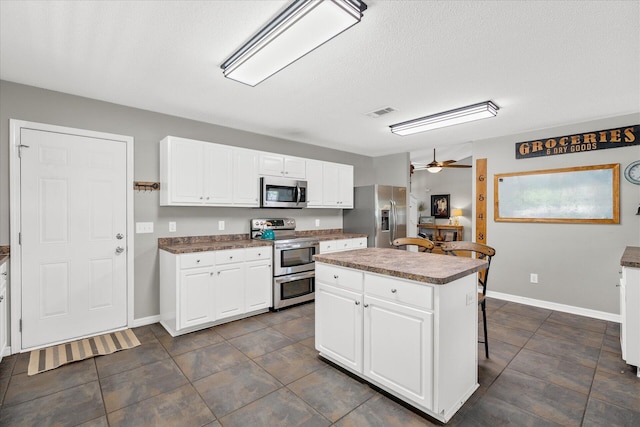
<point>119,249</point>
<point>119,236</point>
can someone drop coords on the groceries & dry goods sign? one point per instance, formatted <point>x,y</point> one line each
<point>590,141</point>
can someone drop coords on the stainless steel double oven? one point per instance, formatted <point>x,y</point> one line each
<point>293,266</point>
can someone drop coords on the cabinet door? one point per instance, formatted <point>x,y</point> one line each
<point>196,297</point>
<point>314,183</point>
<point>346,186</point>
<point>339,325</point>
<point>246,186</point>
<point>271,164</point>
<point>258,290</point>
<point>295,168</point>
<point>229,290</point>
<point>330,185</point>
<point>186,172</point>
<point>623,317</point>
<point>398,349</point>
<point>218,162</point>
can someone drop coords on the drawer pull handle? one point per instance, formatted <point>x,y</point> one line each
<point>366,305</point>
<point>393,291</point>
<point>357,302</point>
<point>335,276</point>
<point>230,257</point>
<point>197,260</point>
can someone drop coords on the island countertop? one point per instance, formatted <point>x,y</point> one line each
<point>421,267</point>
<point>631,257</point>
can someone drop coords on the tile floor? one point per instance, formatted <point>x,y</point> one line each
<point>545,368</point>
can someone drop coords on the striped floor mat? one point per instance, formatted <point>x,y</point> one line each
<point>49,358</point>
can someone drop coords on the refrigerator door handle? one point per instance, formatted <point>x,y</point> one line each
<point>395,220</point>
<point>392,226</point>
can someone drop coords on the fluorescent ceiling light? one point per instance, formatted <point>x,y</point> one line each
<point>479,111</point>
<point>300,28</point>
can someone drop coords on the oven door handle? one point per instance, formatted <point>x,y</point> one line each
<point>293,277</point>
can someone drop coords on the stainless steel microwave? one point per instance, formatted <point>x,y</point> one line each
<point>282,193</point>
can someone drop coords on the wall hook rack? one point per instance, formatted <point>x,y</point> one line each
<point>146,186</point>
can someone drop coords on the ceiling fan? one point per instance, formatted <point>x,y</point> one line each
<point>435,166</point>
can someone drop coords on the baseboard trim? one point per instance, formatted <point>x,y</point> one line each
<point>601,315</point>
<point>144,321</point>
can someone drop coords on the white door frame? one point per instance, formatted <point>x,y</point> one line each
<point>15,215</point>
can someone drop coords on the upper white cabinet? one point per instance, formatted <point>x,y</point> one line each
<point>337,188</point>
<point>196,173</point>
<point>283,166</point>
<point>329,185</point>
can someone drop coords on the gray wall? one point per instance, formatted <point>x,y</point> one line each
<point>458,183</point>
<point>39,105</point>
<point>577,264</point>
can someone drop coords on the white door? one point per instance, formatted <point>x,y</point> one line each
<point>73,229</point>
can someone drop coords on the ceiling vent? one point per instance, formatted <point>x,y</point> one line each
<point>381,112</point>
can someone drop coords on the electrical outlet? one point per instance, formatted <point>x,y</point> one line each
<point>533,278</point>
<point>144,227</point>
<point>172,227</point>
<point>220,225</point>
<point>317,223</point>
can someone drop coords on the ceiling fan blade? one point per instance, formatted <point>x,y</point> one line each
<point>456,166</point>
<point>446,162</point>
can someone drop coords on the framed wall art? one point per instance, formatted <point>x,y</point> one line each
<point>584,194</point>
<point>440,206</point>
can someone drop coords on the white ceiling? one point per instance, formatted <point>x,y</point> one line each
<point>544,63</point>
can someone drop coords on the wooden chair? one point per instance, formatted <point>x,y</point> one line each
<point>481,252</point>
<point>424,245</point>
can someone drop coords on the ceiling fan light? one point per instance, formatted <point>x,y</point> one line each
<point>300,28</point>
<point>434,169</point>
<point>469,113</point>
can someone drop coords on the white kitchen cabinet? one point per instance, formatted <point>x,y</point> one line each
<point>246,186</point>
<point>314,183</point>
<point>339,334</point>
<point>198,173</point>
<point>203,289</point>
<point>398,348</point>
<point>4,313</point>
<point>337,187</point>
<point>630,316</point>
<point>328,246</point>
<point>196,294</point>
<point>283,166</point>
<point>415,340</point>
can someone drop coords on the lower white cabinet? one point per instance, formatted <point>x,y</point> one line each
<point>328,246</point>
<point>4,313</point>
<point>415,340</point>
<point>201,289</point>
<point>630,316</point>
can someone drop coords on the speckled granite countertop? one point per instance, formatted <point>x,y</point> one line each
<point>421,267</point>
<point>631,257</point>
<point>183,245</point>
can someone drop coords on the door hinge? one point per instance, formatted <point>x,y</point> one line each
<point>20,147</point>
<point>20,326</point>
<point>19,238</point>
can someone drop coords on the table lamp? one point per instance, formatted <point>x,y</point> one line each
<point>456,214</point>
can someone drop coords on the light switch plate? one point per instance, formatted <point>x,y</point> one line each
<point>220,225</point>
<point>317,223</point>
<point>144,227</point>
<point>172,226</point>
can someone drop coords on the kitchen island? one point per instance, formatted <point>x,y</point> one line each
<point>405,322</point>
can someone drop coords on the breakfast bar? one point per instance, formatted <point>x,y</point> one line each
<point>405,322</point>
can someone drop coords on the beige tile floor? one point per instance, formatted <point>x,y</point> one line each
<point>545,368</point>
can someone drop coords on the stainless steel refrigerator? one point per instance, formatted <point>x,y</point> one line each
<point>380,211</point>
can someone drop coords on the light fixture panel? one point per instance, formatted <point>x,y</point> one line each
<point>301,28</point>
<point>469,113</point>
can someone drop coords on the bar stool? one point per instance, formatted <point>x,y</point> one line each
<point>424,245</point>
<point>481,252</point>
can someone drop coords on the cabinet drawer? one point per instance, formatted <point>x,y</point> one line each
<point>197,259</point>
<point>359,243</point>
<point>229,256</point>
<point>338,276</point>
<point>255,254</point>
<point>334,245</point>
<point>399,290</point>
